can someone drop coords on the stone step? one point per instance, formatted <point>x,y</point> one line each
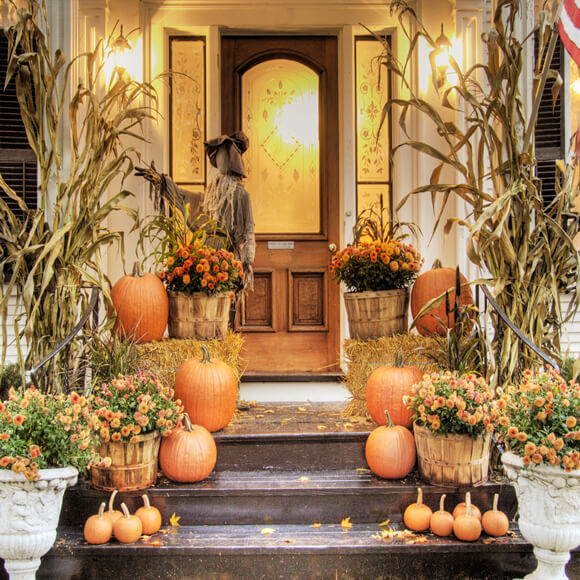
<point>253,552</point>
<point>291,497</point>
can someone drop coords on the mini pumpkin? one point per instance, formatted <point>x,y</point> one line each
<point>149,515</point>
<point>390,450</point>
<point>386,387</point>
<point>128,528</point>
<point>98,529</point>
<point>461,508</point>
<point>208,390</point>
<point>113,514</point>
<point>467,526</point>
<point>494,521</point>
<point>417,516</point>
<point>441,522</point>
<point>188,453</point>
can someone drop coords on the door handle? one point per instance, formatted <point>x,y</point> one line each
<point>332,248</point>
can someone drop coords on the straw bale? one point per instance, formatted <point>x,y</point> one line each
<point>167,355</point>
<point>364,356</point>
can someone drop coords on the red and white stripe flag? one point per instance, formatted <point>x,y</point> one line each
<point>569,28</point>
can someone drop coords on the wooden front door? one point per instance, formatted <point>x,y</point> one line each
<point>283,93</point>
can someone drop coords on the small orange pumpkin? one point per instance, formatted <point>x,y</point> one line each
<point>98,529</point>
<point>417,516</point>
<point>128,528</point>
<point>494,521</point>
<point>461,508</point>
<point>386,387</point>
<point>467,526</point>
<point>141,304</point>
<point>430,285</point>
<point>390,450</point>
<point>441,522</point>
<point>113,514</point>
<point>208,390</point>
<point>149,515</point>
<point>188,453</point>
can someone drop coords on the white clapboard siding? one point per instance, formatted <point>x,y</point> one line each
<point>571,332</point>
<point>11,352</point>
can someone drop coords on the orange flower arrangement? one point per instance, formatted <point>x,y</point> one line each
<point>449,403</point>
<point>200,268</point>
<point>539,419</point>
<point>376,265</point>
<point>130,405</point>
<point>38,431</point>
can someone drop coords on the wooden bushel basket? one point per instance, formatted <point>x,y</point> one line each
<point>376,314</point>
<point>133,467</point>
<point>198,315</point>
<point>458,460</point>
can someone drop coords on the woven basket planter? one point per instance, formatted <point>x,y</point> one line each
<point>457,460</point>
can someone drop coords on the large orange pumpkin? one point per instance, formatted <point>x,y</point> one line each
<point>390,450</point>
<point>141,304</point>
<point>188,453</point>
<point>430,285</point>
<point>208,390</point>
<point>386,387</point>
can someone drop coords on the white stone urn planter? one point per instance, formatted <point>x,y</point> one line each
<point>29,514</point>
<point>549,513</point>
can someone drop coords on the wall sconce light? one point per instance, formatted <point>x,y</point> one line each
<point>439,58</point>
<point>123,57</point>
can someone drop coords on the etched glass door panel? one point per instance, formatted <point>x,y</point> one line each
<point>280,117</point>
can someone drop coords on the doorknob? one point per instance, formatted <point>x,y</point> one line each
<point>332,248</point>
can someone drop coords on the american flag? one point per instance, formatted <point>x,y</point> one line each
<point>569,28</point>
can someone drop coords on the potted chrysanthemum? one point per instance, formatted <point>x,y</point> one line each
<point>452,425</point>
<point>45,441</point>
<point>538,422</point>
<point>377,269</point>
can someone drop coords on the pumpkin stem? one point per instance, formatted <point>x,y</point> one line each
<point>437,265</point>
<point>389,420</point>
<point>101,510</point>
<point>125,509</point>
<point>187,421</point>
<point>468,504</point>
<point>495,500</point>
<point>205,357</point>
<point>419,496</point>
<point>442,503</point>
<point>137,272</point>
<point>146,501</point>
<point>112,499</point>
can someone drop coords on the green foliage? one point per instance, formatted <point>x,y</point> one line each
<point>50,256</point>
<point>39,431</point>
<point>10,376</point>
<point>523,245</point>
<point>570,370</point>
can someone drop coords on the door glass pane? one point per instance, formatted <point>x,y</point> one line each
<point>280,117</point>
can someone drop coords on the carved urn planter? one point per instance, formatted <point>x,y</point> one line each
<point>549,508</point>
<point>29,514</point>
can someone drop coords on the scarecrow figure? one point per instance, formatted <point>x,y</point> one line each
<point>226,200</point>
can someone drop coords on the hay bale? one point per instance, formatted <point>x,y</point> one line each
<point>167,355</point>
<point>364,356</point>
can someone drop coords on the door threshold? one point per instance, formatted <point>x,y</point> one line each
<point>289,377</point>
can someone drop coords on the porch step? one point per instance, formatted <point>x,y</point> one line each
<point>291,497</point>
<point>288,552</point>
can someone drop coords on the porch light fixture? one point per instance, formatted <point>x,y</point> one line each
<point>122,55</point>
<point>439,58</point>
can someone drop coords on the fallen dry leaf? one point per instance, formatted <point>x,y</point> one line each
<point>346,523</point>
<point>322,427</point>
<point>174,520</point>
<point>304,478</point>
<point>269,411</point>
<point>316,525</point>
<point>154,543</point>
<point>349,426</point>
<point>259,416</point>
<point>290,541</point>
<point>303,409</point>
<point>417,540</point>
<point>385,523</point>
<point>267,531</point>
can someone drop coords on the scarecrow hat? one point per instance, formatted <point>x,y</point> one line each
<point>236,144</point>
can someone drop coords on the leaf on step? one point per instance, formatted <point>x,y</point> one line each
<point>174,520</point>
<point>259,416</point>
<point>155,543</point>
<point>349,426</point>
<point>269,411</point>
<point>417,540</point>
<point>316,525</point>
<point>363,469</point>
<point>303,409</point>
<point>346,524</point>
<point>304,478</point>
<point>267,531</point>
<point>385,523</point>
<point>322,427</point>
<point>290,540</point>
<point>488,541</point>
